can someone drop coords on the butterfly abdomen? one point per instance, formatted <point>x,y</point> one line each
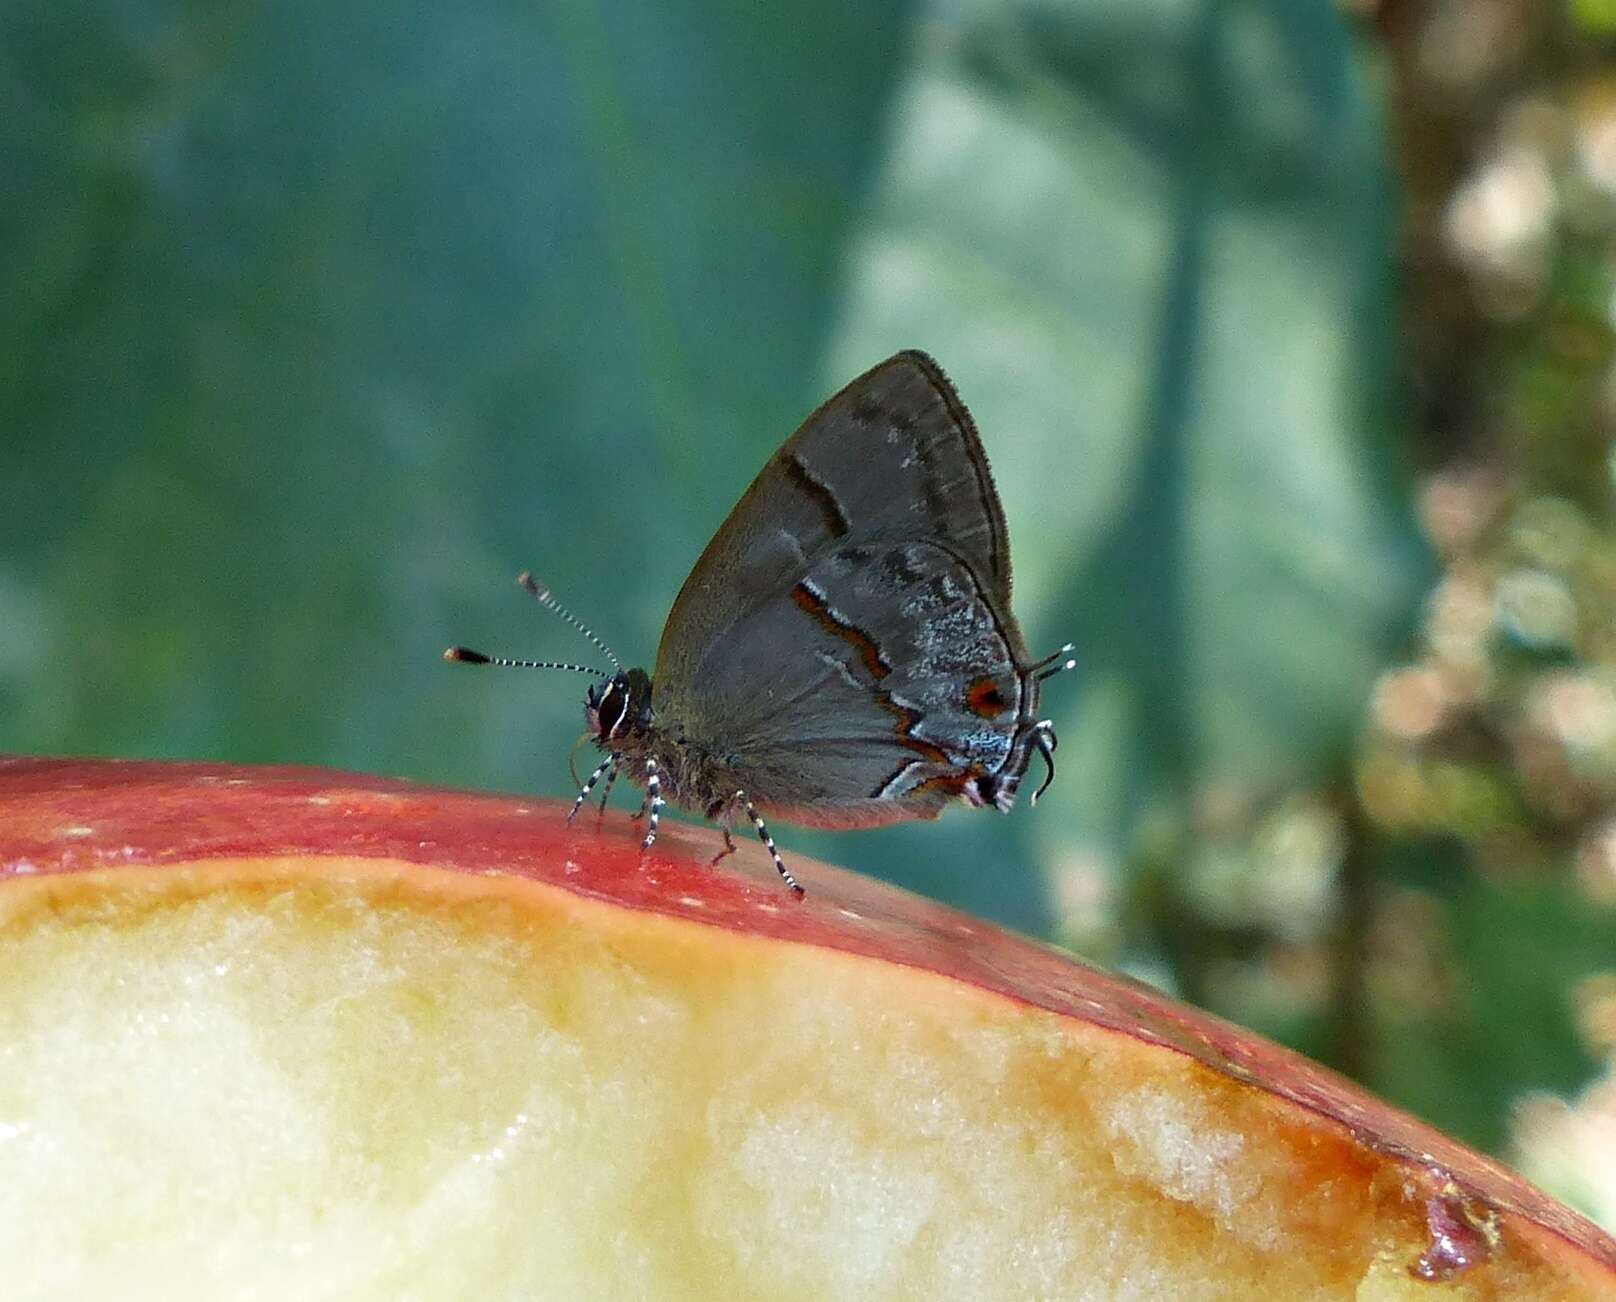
<point>692,776</point>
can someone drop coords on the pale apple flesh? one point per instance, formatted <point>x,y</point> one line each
<point>291,1034</point>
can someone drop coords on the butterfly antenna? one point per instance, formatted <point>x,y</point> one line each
<point>543,597</point>
<point>466,656</point>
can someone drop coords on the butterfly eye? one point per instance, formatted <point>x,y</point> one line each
<point>610,709</point>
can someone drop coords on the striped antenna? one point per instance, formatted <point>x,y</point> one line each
<point>543,597</point>
<point>466,656</point>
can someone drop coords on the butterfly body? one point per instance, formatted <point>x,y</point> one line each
<point>843,654</point>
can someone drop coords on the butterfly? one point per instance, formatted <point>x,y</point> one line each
<point>843,654</point>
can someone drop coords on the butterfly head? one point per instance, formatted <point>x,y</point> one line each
<point>618,705</point>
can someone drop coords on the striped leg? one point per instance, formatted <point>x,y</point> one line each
<point>610,762</point>
<point>768,841</point>
<point>653,791</point>
<point>606,791</point>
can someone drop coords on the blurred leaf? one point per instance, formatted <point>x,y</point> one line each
<point>1596,15</point>
<point>1152,246</point>
<point>1518,953</point>
<point>320,321</point>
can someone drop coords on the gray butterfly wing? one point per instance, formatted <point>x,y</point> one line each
<point>844,650</point>
<point>893,455</point>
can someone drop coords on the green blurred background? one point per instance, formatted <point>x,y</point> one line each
<point>1287,324</point>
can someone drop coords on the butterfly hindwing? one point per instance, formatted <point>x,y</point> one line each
<point>885,682</point>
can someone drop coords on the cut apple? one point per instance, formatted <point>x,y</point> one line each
<point>292,1034</point>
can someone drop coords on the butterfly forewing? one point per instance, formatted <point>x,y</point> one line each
<point>893,455</point>
<point>860,592</point>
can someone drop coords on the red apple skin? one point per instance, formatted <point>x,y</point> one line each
<point>77,816</point>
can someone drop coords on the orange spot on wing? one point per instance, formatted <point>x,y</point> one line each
<point>984,699</point>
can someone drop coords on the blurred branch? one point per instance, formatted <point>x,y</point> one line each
<point>1350,1043</point>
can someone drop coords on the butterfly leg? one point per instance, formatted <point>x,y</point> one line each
<point>610,762</point>
<point>653,793</point>
<point>1043,737</point>
<point>606,791</point>
<point>729,848</point>
<point>742,799</point>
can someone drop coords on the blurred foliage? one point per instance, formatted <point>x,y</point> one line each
<point>325,320</point>
<point>1489,763</point>
<point>320,322</point>
<point>1167,300</point>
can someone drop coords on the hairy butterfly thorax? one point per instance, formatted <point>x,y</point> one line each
<point>843,654</point>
